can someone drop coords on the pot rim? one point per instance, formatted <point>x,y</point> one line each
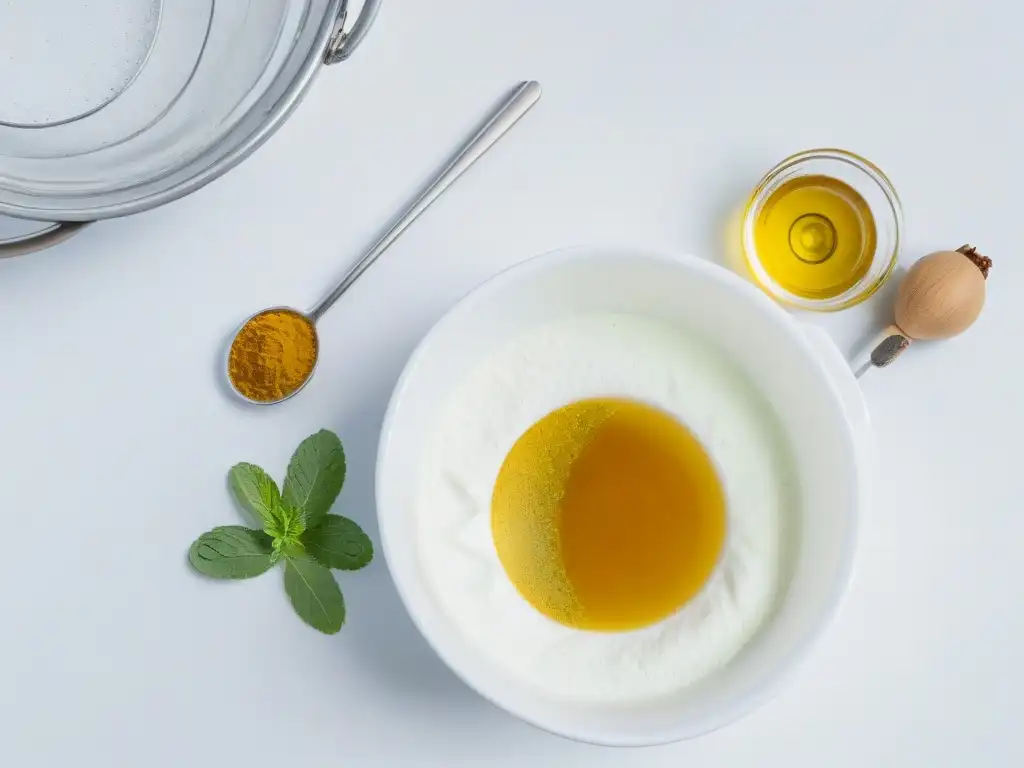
<point>276,116</point>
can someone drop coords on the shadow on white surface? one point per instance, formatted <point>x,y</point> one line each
<point>880,306</point>
<point>724,214</point>
<point>379,630</point>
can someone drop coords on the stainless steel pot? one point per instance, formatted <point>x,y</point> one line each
<point>111,107</point>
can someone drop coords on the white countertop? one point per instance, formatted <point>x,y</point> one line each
<point>115,435</point>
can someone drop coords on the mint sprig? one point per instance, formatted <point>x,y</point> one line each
<point>232,552</point>
<point>315,476</point>
<point>255,490</point>
<point>296,528</point>
<point>337,542</point>
<point>314,594</point>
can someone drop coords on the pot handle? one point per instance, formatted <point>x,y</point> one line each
<point>37,241</point>
<point>344,41</point>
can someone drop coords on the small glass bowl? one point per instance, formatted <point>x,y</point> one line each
<point>877,191</point>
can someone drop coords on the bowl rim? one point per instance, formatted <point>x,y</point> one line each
<point>773,683</point>
<point>869,288</point>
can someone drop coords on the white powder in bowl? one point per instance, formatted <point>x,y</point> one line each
<point>603,356</point>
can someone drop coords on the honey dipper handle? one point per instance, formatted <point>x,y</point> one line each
<point>881,350</point>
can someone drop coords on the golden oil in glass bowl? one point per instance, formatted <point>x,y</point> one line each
<point>822,230</point>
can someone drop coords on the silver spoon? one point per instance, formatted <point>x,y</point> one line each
<point>517,105</point>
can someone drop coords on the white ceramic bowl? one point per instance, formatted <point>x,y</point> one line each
<point>815,397</point>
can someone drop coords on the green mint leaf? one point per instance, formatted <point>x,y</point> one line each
<point>286,526</point>
<point>314,594</point>
<point>293,549</point>
<point>274,525</point>
<point>338,542</point>
<point>255,490</point>
<point>232,552</point>
<point>315,475</point>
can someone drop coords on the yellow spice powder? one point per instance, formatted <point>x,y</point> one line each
<point>273,355</point>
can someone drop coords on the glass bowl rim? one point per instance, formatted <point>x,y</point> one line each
<point>863,292</point>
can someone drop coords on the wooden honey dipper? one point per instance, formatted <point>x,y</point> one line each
<point>940,297</point>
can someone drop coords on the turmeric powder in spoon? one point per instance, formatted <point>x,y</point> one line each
<point>275,352</point>
<point>273,355</point>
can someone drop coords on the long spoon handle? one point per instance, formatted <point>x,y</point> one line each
<point>517,105</point>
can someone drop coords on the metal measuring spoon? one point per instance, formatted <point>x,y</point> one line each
<point>300,323</point>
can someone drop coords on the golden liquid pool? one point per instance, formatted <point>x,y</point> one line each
<point>608,514</point>
<point>815,236</point>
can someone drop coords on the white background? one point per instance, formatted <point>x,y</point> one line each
<point>115,433</point>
